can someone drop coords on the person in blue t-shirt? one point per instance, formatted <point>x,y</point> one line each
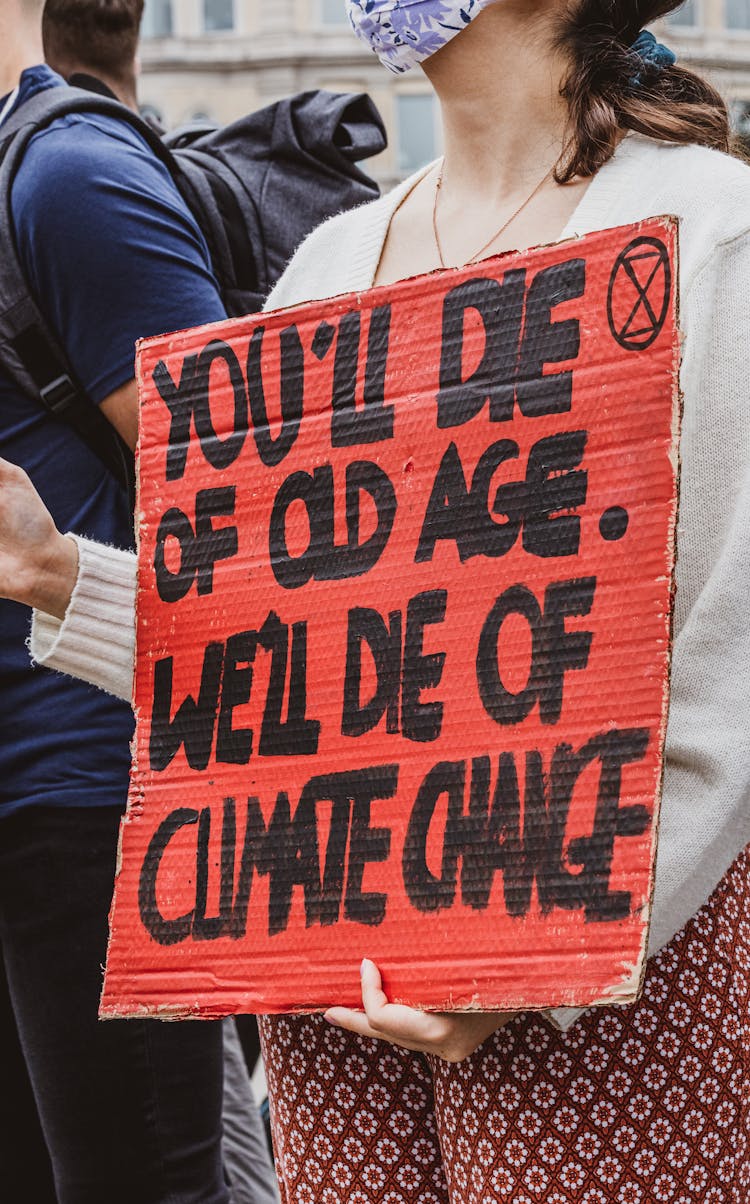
<point>131,1111</point>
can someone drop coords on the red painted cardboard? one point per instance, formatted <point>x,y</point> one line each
<point>403,641</point>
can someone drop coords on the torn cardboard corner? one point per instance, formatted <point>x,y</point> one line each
<point>403,642</point>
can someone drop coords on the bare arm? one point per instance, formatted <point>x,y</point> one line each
<point>121,409</point>
<point>38,565</point>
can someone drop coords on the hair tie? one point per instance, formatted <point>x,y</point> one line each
<point>652,55</point>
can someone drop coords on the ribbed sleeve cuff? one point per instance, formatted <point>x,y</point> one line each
<point>96,639</point>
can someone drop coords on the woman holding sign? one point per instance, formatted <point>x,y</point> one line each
<point>560,119</point>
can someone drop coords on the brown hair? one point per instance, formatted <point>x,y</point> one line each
<point>611,89</point>
<point>100,36</point>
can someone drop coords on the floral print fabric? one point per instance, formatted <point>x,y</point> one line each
<point>405,32</point>
<point>638,1105</point>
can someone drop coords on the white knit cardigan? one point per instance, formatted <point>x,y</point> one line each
<point>705,817</point>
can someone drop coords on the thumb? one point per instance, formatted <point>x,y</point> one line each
<point>373,996</point>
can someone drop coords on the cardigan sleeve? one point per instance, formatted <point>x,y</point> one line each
<point>96,639</point>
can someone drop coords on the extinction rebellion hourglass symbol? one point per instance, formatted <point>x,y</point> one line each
<point>639,290</point>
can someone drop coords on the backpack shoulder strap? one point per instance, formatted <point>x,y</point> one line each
<point>29,351</point>
<point>230,223</point>
<point>51,104</point>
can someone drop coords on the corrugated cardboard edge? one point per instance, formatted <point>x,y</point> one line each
<point>134,806</point>
<point>678,405</point>
<point>630,986</point>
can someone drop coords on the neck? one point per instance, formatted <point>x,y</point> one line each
<point>498,84</point>
<point>124,89</point>
<point>20,44</point>
<point>127,94</point>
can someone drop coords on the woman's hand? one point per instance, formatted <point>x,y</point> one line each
<point>452,1036</point>
<point>38,565</point>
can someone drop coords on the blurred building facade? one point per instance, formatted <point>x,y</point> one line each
<point>218,59</point>
<point>713,36</point>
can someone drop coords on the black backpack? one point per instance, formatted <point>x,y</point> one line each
<point>256,188</point>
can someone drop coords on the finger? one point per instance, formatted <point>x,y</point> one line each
<point>346,1018</point>
<point>374,998</point>
<point>357,1022</point>
<point>404,1025</point>
<point>352,1021</point>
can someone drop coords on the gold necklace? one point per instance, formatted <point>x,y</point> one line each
<point>486,246</point>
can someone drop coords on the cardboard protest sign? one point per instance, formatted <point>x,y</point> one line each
<point>403,641</point>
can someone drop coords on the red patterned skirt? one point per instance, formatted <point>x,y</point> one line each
<point>633,1105</point>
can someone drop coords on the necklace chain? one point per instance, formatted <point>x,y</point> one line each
<point>485,246</point>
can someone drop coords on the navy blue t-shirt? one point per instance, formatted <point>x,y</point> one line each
<point>112,254</point>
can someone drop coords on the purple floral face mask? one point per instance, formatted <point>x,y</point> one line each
<point>405,32</point>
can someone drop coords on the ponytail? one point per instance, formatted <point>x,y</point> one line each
<point>611,88</point>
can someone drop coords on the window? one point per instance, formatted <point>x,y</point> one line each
<point>333,12</point>
<point>686,15</point>
<point>417,130</point>
<point>218,15</point>
<point>157,19</point>
<point>738,14</point>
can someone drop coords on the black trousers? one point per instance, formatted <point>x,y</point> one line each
<point>130,1110</point>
